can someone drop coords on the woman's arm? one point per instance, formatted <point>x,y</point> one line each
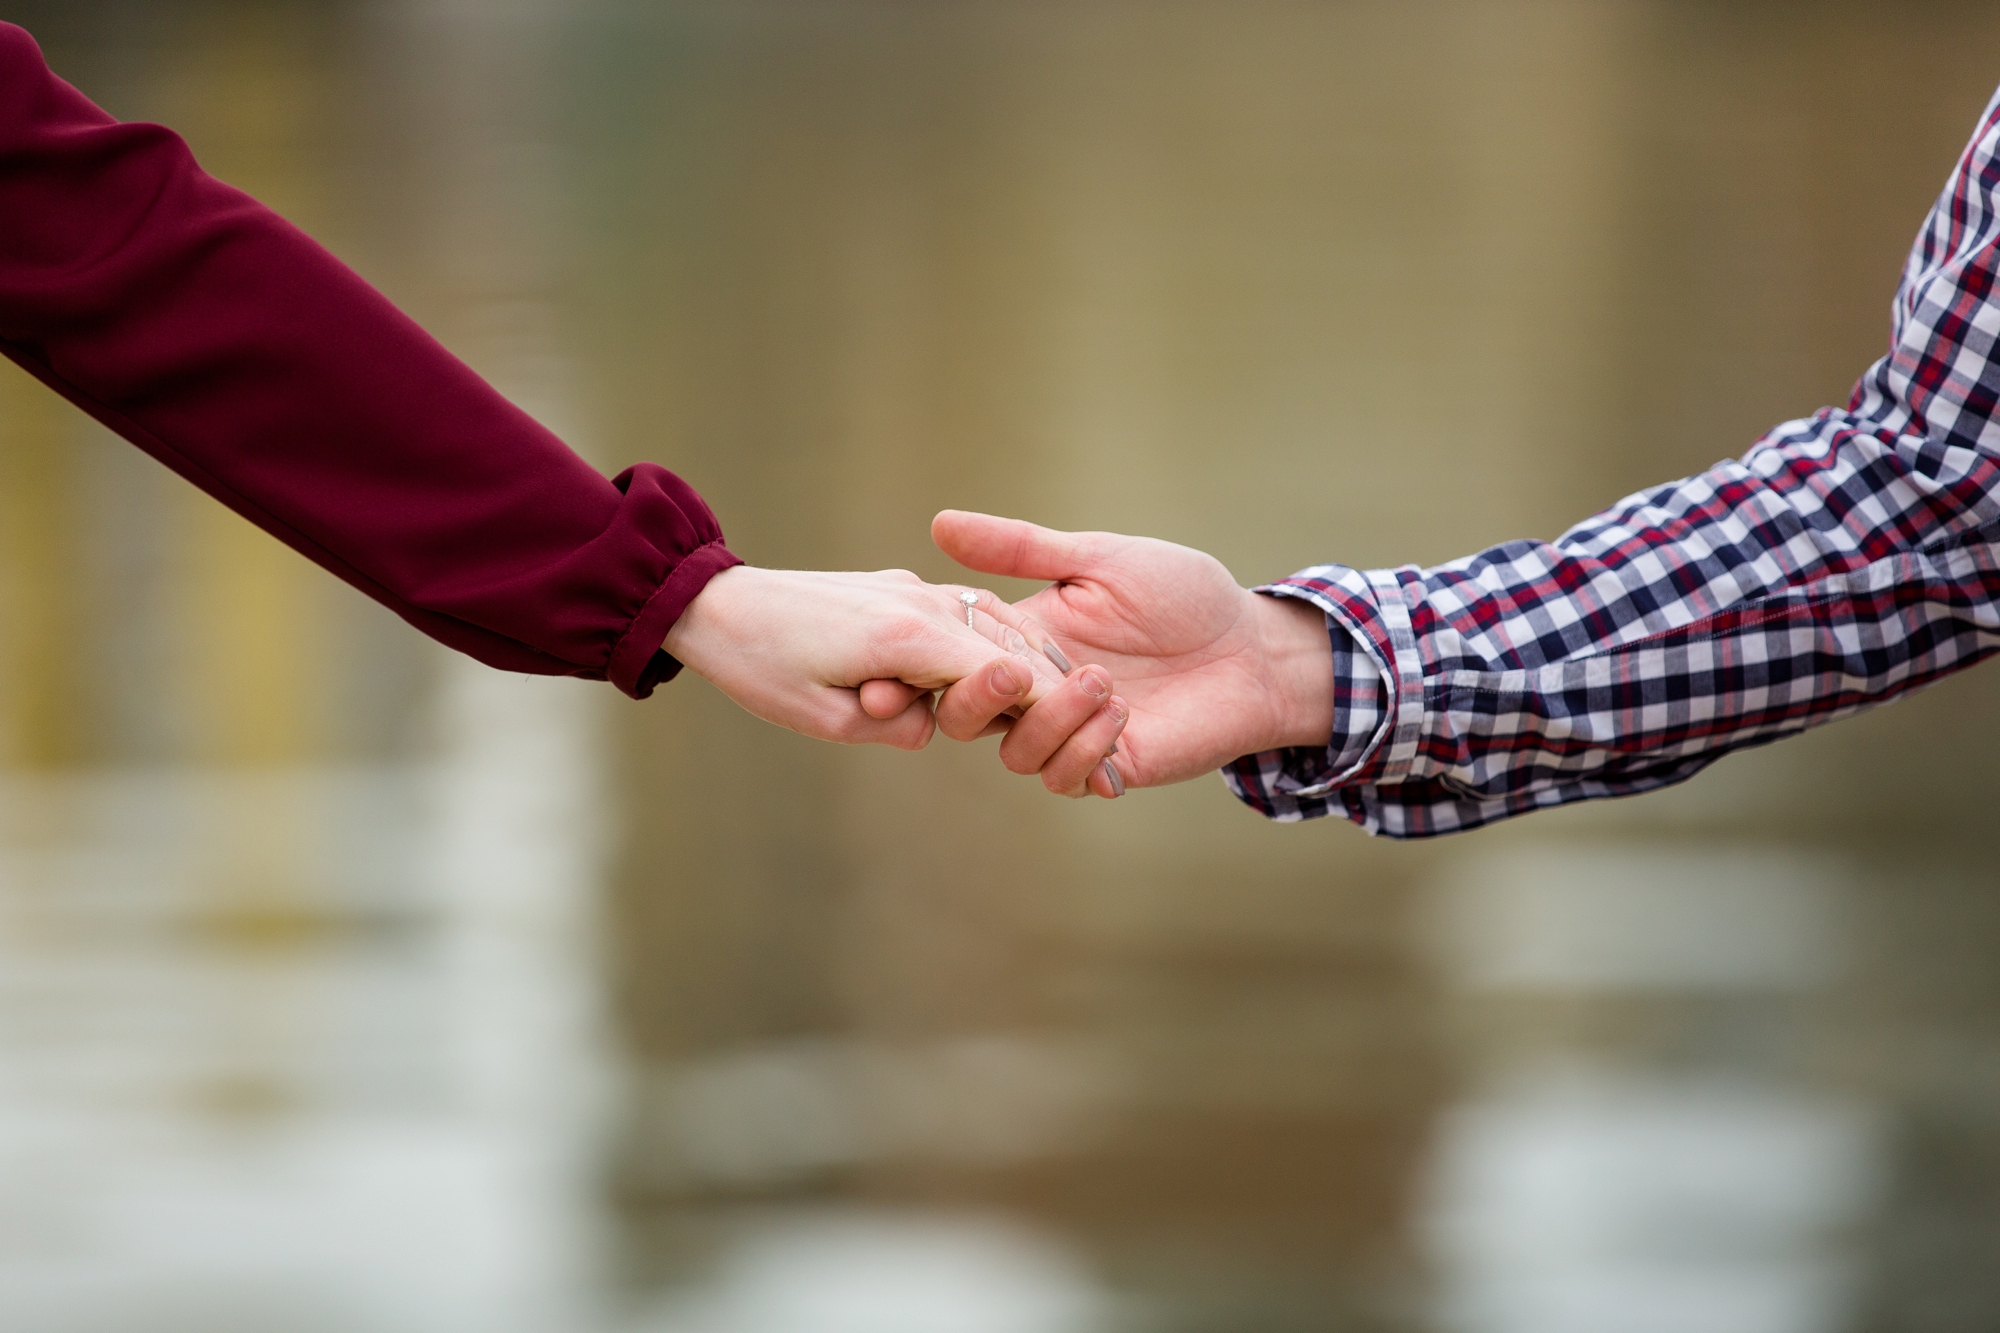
<point>211,333</point>
<point>222,340</point>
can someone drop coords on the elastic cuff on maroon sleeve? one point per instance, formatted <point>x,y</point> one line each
<point>637,663</point>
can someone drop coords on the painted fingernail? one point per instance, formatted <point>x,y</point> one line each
<point>1093,684</point>
<point>1055,655</point>
<point>1113,750</point>
<point>1003,680</point>
<point>1111,776</point>
<point>1015,643</point>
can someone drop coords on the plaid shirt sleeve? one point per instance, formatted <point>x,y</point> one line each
<point>1847,559</point>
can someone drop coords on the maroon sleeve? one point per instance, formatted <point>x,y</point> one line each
<point>214,335</point>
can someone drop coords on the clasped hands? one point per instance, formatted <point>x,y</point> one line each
<point>1162,667</point>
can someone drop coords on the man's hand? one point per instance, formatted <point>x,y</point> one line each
<point>1208,669</point>
<point>853,657</point>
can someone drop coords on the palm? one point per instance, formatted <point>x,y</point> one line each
<point>1173,629</point>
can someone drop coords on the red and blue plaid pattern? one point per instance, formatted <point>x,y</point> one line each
<point>1846,560</point>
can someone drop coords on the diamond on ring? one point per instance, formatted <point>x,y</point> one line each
<point>971,599</point>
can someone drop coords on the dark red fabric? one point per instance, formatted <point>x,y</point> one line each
<point>222,340</point>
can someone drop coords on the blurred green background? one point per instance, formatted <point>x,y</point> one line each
<point>345,985</point>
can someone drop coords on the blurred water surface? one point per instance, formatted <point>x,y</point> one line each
<point>344,985</point>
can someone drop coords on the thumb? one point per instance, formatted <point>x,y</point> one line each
<point>1011,547</point>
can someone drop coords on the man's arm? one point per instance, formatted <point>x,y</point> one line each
<point>1847,559</point>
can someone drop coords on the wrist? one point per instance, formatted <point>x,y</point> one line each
<point>698,639</point>
<point>1297,666</point>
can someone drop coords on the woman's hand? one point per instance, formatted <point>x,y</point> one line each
<point>853,657</point>
<point>1209,669</point>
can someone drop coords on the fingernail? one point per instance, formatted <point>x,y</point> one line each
<point>1111,775</point>
<point>1093,684</point>
<point>1003,680</point>
<point>1113,750</point>
<point>1015,643</point>
<point>1056,656</point>
<point>1117,711</point>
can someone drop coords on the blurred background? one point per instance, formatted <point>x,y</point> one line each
<point>346,986</point>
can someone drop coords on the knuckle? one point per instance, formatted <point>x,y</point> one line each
<point>1016,762</point>
<point>899,624</point>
